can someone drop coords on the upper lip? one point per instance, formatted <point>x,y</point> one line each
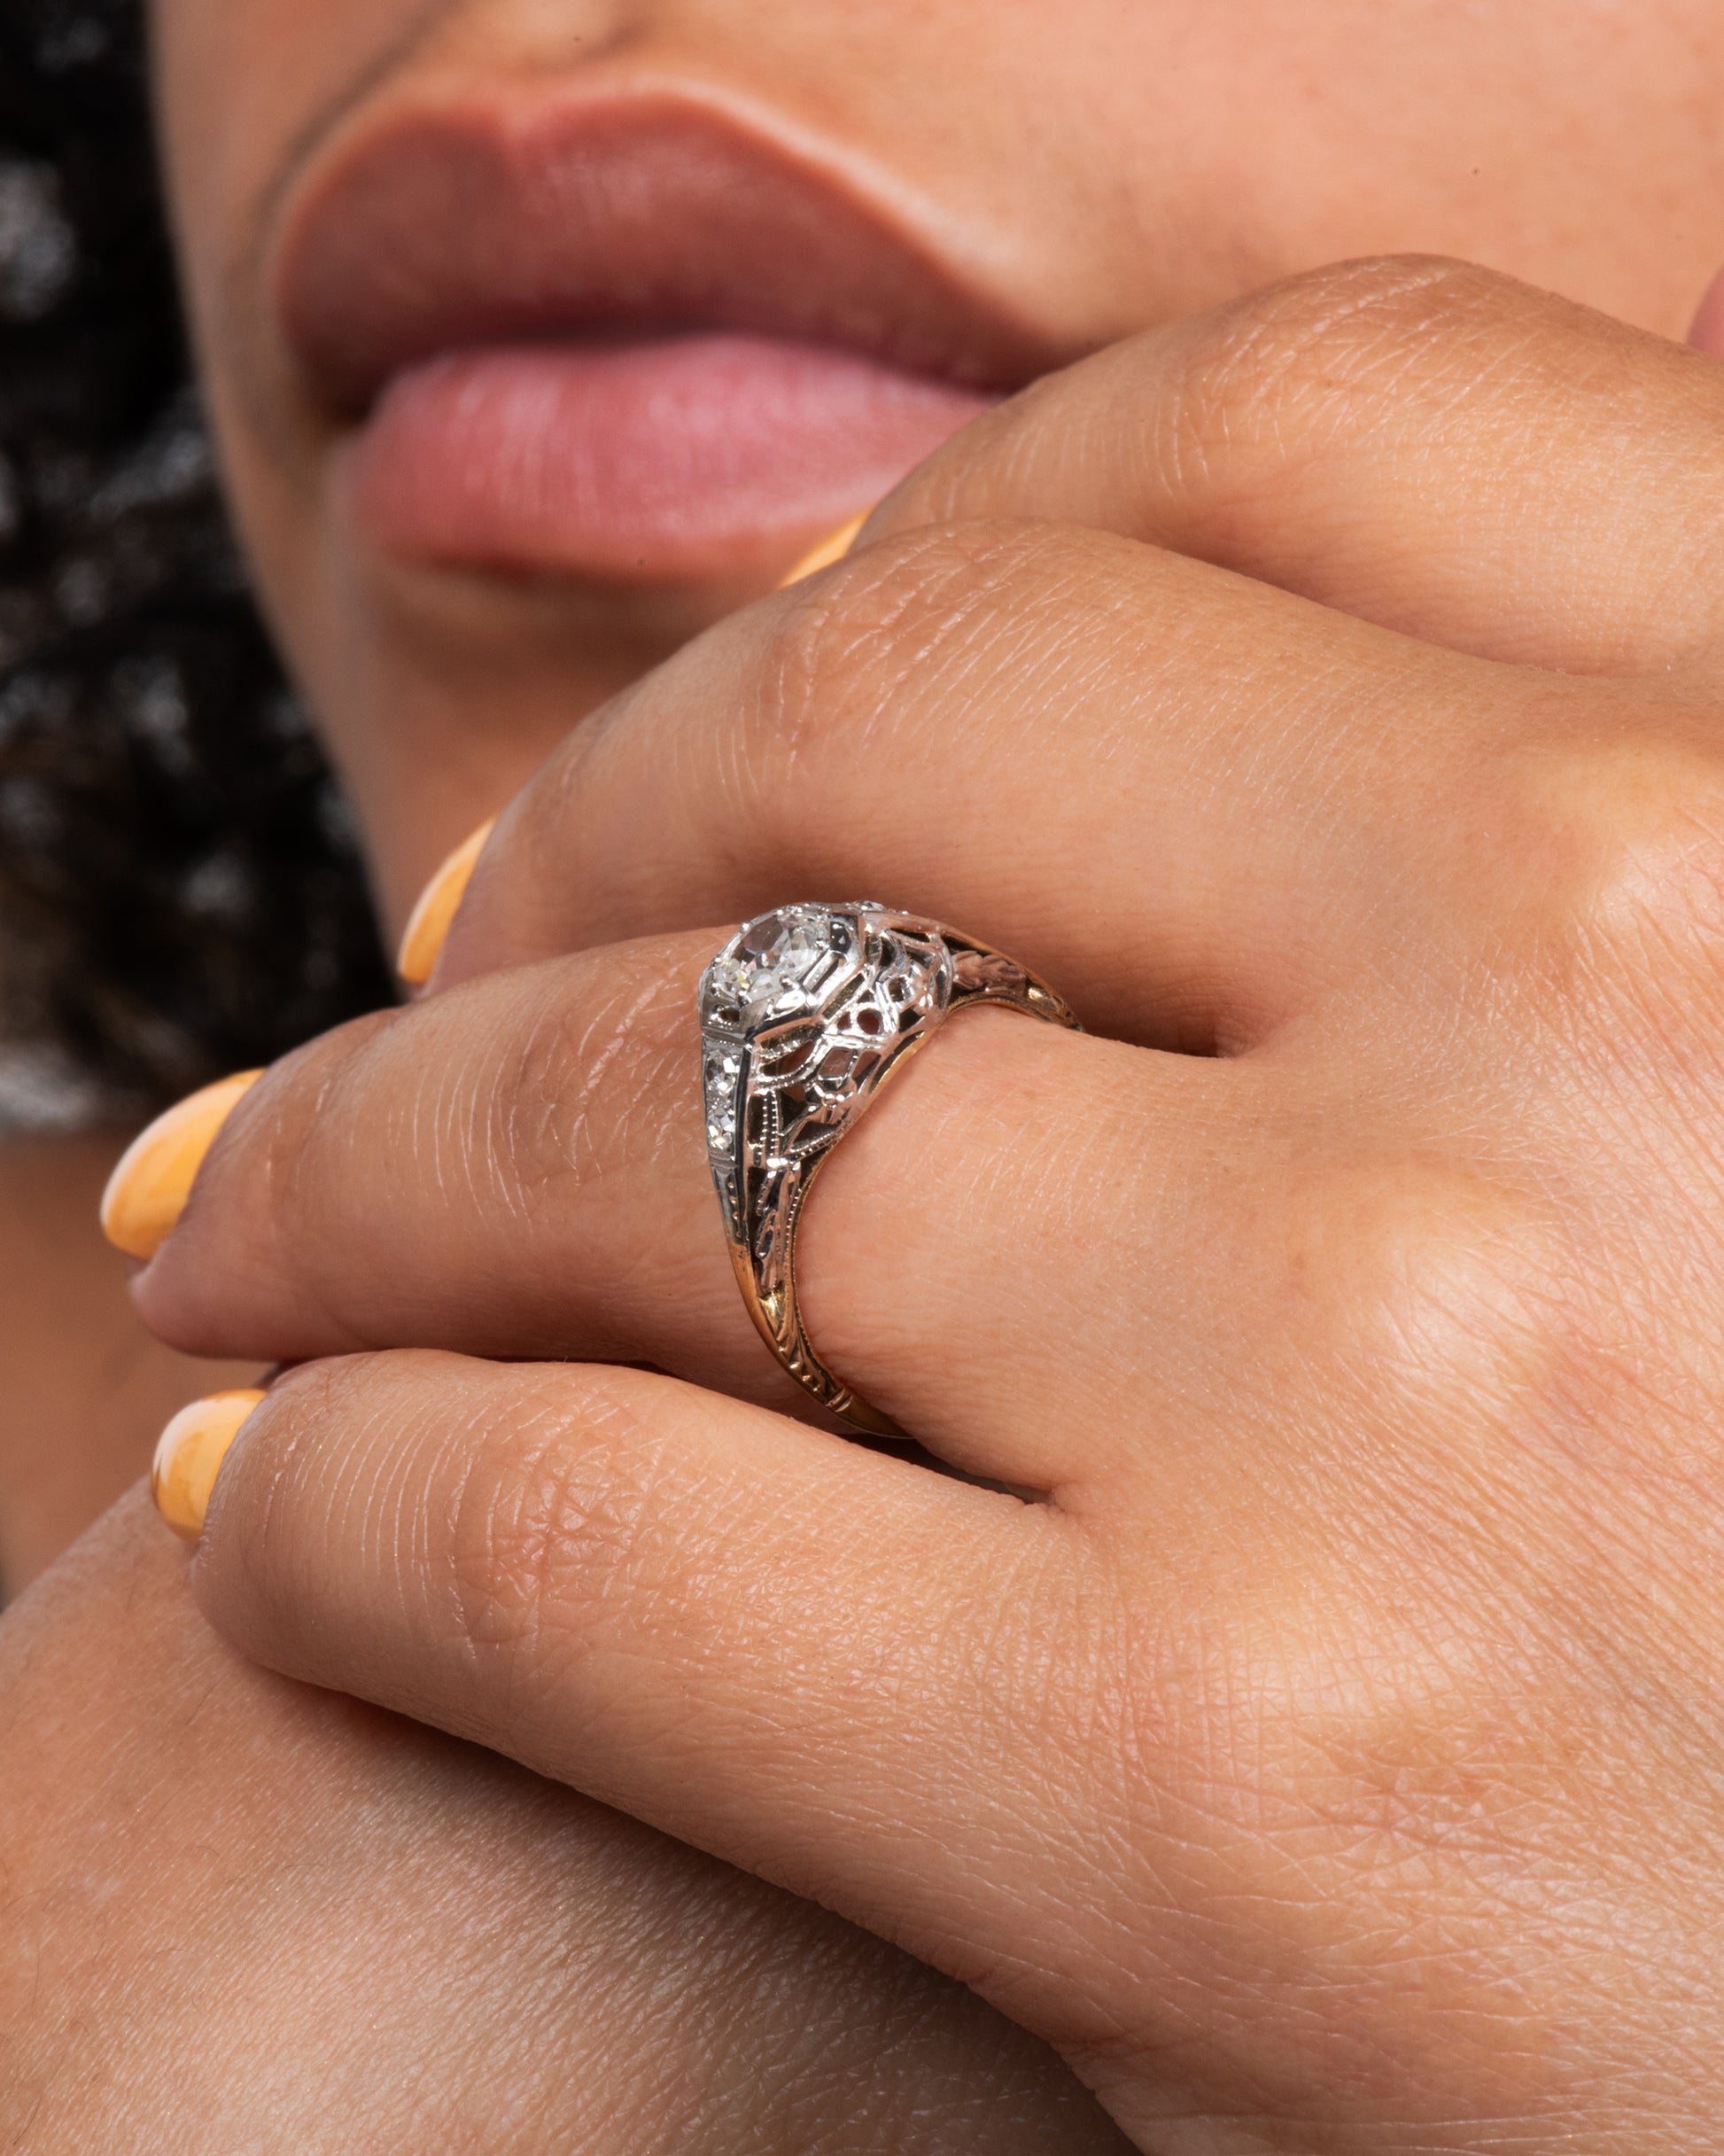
<point>498,217</point>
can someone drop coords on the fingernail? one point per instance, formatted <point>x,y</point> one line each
<point>188,1456</point>
<point>146,1192</point>
<point>829,550</point>
<point>428,924</point>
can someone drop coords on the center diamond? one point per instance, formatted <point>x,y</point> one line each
<point>786,959</point>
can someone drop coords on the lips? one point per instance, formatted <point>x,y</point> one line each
<point>630,340</point>
<point>665,457</point>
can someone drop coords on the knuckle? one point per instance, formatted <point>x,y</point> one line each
<point>1339,1724</point>
<point>1385,289</point>
<point>591,1051</point>
<point>545,1530</point>
<point>1427,1287</point>
<point>1271,369</point>
<point>1362,310</point>
<point>927,604</point>
<point>1395,1297</point>
<point>831,652</point>
<point>1630,907</point>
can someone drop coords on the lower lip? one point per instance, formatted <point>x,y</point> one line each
<point>667,460</point>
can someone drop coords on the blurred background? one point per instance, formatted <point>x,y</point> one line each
<point>180,893</point>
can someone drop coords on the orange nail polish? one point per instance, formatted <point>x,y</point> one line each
<point>829,550</point>
<point>428,924</point>
<point>146,1192</point>
<point>188,1456</point>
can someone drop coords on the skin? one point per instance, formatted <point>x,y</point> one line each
<point>1404,1847</point>
<point>201,1955</point>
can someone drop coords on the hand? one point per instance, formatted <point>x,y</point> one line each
<point>236,1913</point>
<point>1329,1761</point>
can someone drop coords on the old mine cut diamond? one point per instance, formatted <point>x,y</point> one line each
<point>785,960</point>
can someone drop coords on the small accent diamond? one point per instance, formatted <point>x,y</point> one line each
<point>723,1069</point>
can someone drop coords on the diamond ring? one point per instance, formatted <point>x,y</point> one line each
<point>802,1014</point>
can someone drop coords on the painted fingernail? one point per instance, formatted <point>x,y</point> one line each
<point>829,550</point>
<point>146,1192</point>
<point>188,1456</point>
<point>428,924</point>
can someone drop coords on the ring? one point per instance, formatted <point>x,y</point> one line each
<point>803,1014</point>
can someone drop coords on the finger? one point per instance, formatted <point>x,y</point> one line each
<point>1425,444</point>
<point>1420,444</point>
<point>1195,804</point>
<point>276,1921</point>
<point>519,1169</point>
<point>637,1589</point>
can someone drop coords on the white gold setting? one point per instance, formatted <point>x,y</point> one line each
<point>802,1015</point>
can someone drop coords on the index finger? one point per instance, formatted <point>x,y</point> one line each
<point>1425,444</point>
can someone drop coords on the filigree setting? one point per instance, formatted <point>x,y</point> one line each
<point>802,1015</point>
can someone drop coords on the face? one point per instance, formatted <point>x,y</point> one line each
<point>539,334</point>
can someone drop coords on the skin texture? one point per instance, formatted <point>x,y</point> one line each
<point>1374,1807</point>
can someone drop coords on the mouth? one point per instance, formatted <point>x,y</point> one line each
<point>624,338</point>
